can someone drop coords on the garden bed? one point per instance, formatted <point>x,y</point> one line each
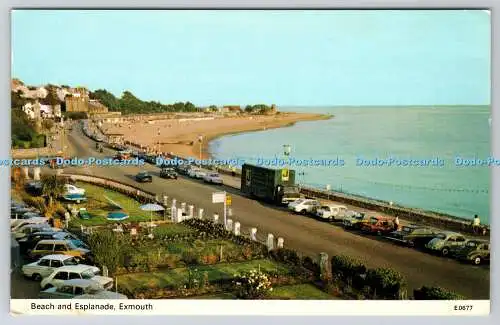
<point>177,278</point>
<point>304,291</point>
<point>98,207</point>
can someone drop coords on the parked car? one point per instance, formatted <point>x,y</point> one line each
<point>355,221</point>
<point>144,177</point>
<point>32,228</point>
<point>331,212</point>
<point>34,188</point>
<point>72,189</point>
<point>168,172</point>
<point>213,178</point>
<point>72,272</point>
<point>304,206</point>
<point>475,251</point>
<point>30,241</point>
<point>16,219</point>
<point>57,246</point>
<point>444,241</point>
<point>69,289</point>
<point>47,264</point>
<point>150,159</point>
<point>378,225</point>
<point>412,235</point>
<point>195,172</point>
<point>18,225</point>
<point>183,168</point>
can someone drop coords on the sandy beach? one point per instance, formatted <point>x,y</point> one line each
<point>180,136</point>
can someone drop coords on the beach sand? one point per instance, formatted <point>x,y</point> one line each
<point>180,136</point>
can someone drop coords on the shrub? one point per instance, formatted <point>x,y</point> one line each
<point>190,257</point>
<point>310,265</point>
<point>252,285</point>
<point>286,256</point>
<point>107,249</point>
<point>349,270</point>
<point>385,283</point>
<point>435,293</point>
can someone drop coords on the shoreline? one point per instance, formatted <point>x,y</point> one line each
<point>206,154</point>
<point>180,136</point>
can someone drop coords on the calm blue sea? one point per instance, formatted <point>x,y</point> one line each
<point>381,132</point>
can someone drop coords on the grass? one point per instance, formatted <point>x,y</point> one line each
<point>132,282</point>
<point>296,291</point>
<point>98,207</point>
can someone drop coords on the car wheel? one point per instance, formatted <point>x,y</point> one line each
<point>445,251</point>
<point>36,277</point>
<point>477,260</point>
<point>411,243</point>
<point>303,212</point>
<point>47,286</point>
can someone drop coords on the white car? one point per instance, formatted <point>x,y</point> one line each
<point>331,212</point>
<point>72,189</point>
<point>196,173</point>
<point>304,206</point>
<point>18,225</point>
<point>31,228</point>
<point>47,264</point>
<point>72,272</point>
<point>213,178</point>
<point>17,219</point>
<point>79,289</point>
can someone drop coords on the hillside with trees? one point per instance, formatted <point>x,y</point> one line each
<point>23,130</point>
<point>130,104</point>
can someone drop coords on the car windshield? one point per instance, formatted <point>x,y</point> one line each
<point>471,244</point>
<point>441,236</point>
<point>143,174</point>
<point>373,221</point>
<point>71,245</point>
<point>299,201</point>
<point>407,229</point>
<point>214,175</point>
<point>87,274</point>
<point>70,261</point>
<point>325,207</point>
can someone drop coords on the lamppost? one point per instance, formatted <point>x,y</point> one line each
<point>200,141</point>
<point>287,149</point>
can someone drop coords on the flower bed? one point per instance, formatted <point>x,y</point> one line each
<point>220,275</point>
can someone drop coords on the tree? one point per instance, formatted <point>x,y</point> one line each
<point>107,248</point>
<point>52,186</point>
<point>47,124</point>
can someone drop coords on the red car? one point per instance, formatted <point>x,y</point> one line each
<point>378,225</point>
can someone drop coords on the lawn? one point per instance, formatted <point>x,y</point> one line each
<point>296,291</point>
<point>179,276</point>
<point>98,207</point>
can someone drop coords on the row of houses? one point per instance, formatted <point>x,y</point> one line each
<point>74,99</point>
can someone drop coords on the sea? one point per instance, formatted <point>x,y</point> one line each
<point>431,158</point>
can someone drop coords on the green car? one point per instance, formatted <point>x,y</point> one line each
<point>475,251</point>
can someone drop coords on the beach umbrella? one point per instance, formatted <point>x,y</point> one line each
<point>153,207</point>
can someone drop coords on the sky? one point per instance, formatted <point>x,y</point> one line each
<point>287,58</point>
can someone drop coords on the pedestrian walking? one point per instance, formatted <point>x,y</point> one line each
<point>476,223</point>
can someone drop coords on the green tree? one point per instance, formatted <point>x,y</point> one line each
<point>108,249</point>
<point>52,187</point>
<point>16,101</point>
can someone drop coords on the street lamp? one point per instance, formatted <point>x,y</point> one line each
<point>287,149</point>
<point>200,141</point>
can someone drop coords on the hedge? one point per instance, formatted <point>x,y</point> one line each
<point>435,293</point>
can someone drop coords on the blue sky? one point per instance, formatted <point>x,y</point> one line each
<point>246,57</point>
